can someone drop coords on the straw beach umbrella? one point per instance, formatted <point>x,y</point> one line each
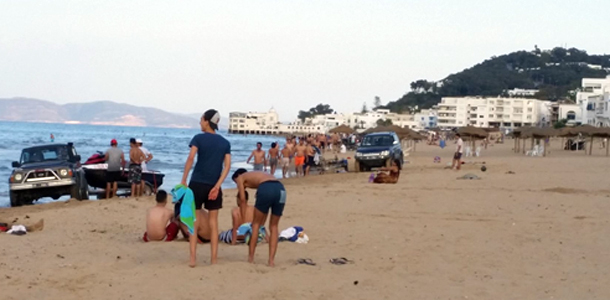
<point>590,131</point>
<point>544,133</point>
<point>473,134</point>
<point>342,129</point>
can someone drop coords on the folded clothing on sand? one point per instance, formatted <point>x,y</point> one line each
<point>291,233</point>
<point>17,230</point>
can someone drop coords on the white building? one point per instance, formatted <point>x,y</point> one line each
<point>426,118</point>
<point>521,92</point>
<point>593,100</point>
<point>254,122</point>
<point>492,112</point>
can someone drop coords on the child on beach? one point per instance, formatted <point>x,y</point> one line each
<point>160,224</point>
<point>270,195</point>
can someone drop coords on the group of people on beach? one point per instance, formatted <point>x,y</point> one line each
<point>304,154</point>
<point>209,170</point>
<point>115,158</point>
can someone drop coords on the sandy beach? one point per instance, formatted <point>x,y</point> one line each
<point>541,233</point>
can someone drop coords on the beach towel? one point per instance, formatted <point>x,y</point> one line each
<point>291,234</point>
<point>243,230</point>
<point>184,195</point>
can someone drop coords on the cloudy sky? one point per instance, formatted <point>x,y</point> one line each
<point>187,56</point>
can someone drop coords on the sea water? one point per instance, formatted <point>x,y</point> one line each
<point>169,147</point>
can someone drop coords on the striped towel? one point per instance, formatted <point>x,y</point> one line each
<point>184,195</point>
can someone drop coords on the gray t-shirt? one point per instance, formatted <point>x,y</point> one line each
<point>114,159</point>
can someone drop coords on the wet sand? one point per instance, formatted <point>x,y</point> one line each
<point>541,233</point>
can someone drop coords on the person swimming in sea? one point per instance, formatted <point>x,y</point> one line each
<point>393,172</point>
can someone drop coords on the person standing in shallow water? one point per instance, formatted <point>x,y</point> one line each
<point>213,163</point>
<point>260,160</point>
<point>274,157</point>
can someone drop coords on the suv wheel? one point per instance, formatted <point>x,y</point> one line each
<point>148,190</point>
<point>15,199</point>
<point>80,190</point>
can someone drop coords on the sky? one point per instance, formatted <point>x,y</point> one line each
<point>188,56</point>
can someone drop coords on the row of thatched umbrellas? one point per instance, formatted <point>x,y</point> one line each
<point>404,134</point>
<point>545,133</point>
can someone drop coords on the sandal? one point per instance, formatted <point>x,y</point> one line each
<point>306,261</point>
<point>340,261</point>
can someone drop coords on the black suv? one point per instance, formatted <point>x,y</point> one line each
<point>378,150</point>
<point>47,171</point>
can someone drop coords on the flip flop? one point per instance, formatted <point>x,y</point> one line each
<point>340,261</point>
<point>306,261</point>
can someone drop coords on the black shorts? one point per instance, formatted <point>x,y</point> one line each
<point>311,161</point>
<point>201,192</point>
<point>457,155</point>
<point>113,176</point>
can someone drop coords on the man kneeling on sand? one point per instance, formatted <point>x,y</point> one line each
<point>160,222</point>
<point>270,195</point>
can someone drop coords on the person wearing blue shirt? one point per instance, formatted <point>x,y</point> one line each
<point>213,163</point>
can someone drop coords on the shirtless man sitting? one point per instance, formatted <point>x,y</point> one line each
<point>391,176</point>
<point>160,222</point>
<point>299,158</point>
<point>232,236</point>
<point>260,161</point>
<point>270,195</point>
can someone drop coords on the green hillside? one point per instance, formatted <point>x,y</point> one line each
<point>553,72</point>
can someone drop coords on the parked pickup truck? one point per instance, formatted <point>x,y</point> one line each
<point>47,171</point>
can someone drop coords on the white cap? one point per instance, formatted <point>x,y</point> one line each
<point>139,141</point>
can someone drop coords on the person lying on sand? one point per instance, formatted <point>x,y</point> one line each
<point>393,172</point>
<point>204,232</point>
<point>270,195</point>
<point>160,222</point>
<point>242,234</point>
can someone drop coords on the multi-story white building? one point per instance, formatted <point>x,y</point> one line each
<point>426,118</point>
<point>267,123</point>
<point>593,100</point>
<point>492,112</point>
<point>254,122</point>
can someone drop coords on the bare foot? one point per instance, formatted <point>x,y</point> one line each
<point>271,263</point>
<point>213,261</point>
<point>251,259</point>
<point>193,263</point>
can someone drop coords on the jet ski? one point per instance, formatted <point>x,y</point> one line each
<point>95,172</point>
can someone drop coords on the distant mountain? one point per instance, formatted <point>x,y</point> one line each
<point>95,113</point>
<point>553,72</point>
